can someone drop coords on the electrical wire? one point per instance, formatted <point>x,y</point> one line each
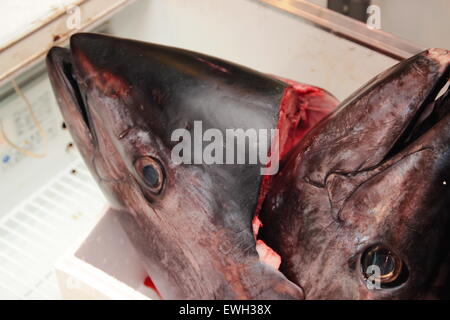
<point>35,121</point>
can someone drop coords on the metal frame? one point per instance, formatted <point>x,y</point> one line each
<point>30,48</point>
<point>348,28</point>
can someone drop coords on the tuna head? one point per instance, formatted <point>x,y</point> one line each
<point>361,209</point>
<point>191,223</point>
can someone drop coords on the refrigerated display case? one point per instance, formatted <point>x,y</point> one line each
<point>57,239</point>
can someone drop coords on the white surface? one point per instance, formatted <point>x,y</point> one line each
<point>21,175</point>
<point>252,34</point>
<point>424,22</point>
<point>104,265</point>
<point>39,231</point>
<point>322,3</point>
<point>19,17</point>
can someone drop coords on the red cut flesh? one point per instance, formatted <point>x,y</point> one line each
<point>301,108</point>
<point>148,282</point>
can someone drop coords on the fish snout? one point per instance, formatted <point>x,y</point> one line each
<point>69,97</point>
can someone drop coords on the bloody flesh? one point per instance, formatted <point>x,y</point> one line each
<point>302,107</point>
<point>148,282</point>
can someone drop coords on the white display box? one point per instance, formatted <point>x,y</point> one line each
<point>103,265</point>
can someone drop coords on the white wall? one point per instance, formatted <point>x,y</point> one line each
<point>322,3</point>
<point>252,34</point>
<point>426,23</point>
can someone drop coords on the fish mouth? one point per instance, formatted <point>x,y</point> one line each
<point>63,76</point>
<point>434,108</point>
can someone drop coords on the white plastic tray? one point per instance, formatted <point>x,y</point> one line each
<point>35,234</point>
<point>103,265</point>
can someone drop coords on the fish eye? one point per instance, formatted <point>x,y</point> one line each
<point>151,172</point>
<point>384,264</point>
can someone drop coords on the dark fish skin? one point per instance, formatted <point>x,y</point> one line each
<point>121,100</point>
<point>374,173</point>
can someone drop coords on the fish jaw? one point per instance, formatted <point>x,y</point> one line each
<point>194,235</point>
<point>59,66</point>
<point>374,174</point>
